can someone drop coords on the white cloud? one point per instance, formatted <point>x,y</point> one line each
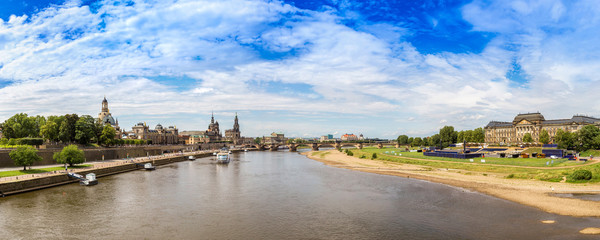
<point>65,58</point>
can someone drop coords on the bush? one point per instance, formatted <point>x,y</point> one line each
<point>581,175</point>
<point>31,141</point>
<point>363,156</point>
<point>374,156</point>
<point>12,141</point>
<point>349,153</point>
<point>512,175</point>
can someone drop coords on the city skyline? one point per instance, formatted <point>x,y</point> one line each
<point>302,68</point>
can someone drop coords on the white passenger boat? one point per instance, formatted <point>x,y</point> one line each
<point>222,157</point>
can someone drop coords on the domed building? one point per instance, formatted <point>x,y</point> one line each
<point>105,117</point>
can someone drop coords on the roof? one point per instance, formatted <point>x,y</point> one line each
<point>531,117</point>
<point>574,119</point>
<point>499,124</point>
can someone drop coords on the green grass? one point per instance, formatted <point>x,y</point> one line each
<point>595,153</point>
<point>514,167</point>
<point>39,170</point>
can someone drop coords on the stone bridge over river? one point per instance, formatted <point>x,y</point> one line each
<point>315,146</point>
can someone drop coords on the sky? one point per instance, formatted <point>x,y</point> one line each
<point>303,68</point>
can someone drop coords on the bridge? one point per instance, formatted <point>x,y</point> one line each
<point>315,146</point>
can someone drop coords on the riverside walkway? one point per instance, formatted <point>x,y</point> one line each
<point>103,164</point>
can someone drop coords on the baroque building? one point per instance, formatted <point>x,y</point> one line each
<point>533,123</point>
<point>234,134</point>
<point>105,117</point>
<point>213,134</point>
<point>158,135</point>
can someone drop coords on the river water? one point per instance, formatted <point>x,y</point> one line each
<point>272,195</point>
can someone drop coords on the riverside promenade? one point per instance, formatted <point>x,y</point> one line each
<point>29,182</point>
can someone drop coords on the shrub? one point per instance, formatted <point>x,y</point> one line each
<point>374,156</point>
<point>31,141</point>
<point>581,175</point>
<point>363,156</point>
<point>512,175</point>
<point>350,153</point>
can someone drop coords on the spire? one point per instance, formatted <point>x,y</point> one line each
<point>212,117</point>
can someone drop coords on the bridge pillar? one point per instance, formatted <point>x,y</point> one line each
<point>293,147</point>
<point>338,145</point>
<point>380,145</point>
<point>315,147</point>
<point>359,146</point>
<point>274,147</point>
<point>260,147</point>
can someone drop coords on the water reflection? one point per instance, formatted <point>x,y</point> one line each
<point>272,195</point>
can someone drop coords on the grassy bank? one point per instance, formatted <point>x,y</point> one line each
<point>523,168</point>
<point>39,170</point>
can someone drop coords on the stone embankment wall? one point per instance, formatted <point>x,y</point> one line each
<point>61,179</point>
<point>95,154</point>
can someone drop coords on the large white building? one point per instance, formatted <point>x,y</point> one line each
<point>533,123</point>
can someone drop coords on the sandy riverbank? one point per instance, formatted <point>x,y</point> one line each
<point>528,192</point>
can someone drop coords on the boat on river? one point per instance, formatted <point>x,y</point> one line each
<point>223,157</point>
<point>192,158</point>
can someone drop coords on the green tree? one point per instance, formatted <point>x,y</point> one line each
<point>49,131</point>
<point>19,126</point>
<point>108,135</point>
<point>586,137</point>
<point>257,140</point>
<point>564,140</point>
<point>447,135</point>
<point>85,129</point>
<point>478,135</point>
<point>70,155</point>
<point>426,141</point>
<point>402,139</point>
<point>67,128</point>
<point>417,142</point>
<point>527,138</point>
<point>460,136</point>
<point>410,140</point>
<point>435,140</point>
<point>24,156</point>
<point>544,137</point>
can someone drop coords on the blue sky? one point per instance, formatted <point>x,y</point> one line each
<point>305,68</point>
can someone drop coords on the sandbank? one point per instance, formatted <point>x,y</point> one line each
<point>533,193</point>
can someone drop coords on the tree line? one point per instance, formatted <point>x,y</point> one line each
<point>21,129</point>
<point>445,137</point>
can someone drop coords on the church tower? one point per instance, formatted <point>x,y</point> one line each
<point>104,111</point>
<point>236,126</point>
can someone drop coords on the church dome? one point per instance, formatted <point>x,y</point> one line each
<point>109,119</point>
<point>158,127</point>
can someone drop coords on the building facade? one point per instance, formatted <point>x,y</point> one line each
<point>349,137</point>
<point>533,123</point>
<point>275,138</point>
<point>158,135</point>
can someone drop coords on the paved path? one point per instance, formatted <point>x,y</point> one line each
<point>95,165</point>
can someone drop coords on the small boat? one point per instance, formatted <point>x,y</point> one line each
<point>191,158</point>
<point>222,157</point>
<point>149,167</point>
<point>88,180</point>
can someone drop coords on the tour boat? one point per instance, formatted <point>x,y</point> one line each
<point>222,157</point>
<point>191,158</point>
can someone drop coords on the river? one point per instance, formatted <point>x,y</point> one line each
<point>272,195</point>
